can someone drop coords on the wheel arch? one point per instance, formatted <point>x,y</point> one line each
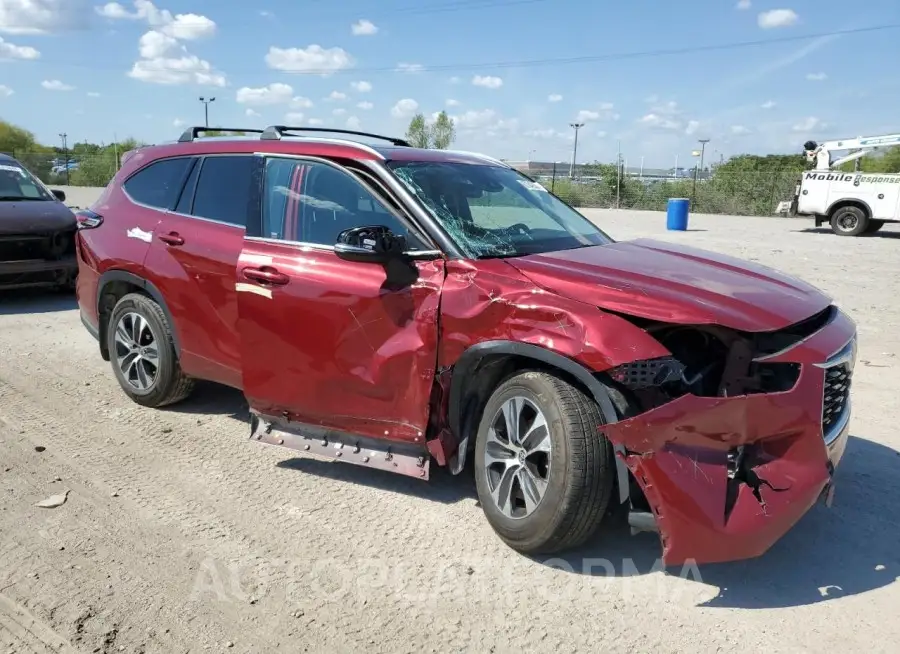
<point>849,202</point>
<point>122,282</point>
<point>495,359</point>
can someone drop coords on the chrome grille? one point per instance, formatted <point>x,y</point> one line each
<point>836,395</point>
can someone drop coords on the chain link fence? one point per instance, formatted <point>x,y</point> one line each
<point>79,170</point>
<point>748,194</point>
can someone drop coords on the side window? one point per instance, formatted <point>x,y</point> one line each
<point>223,189</point>
<point>158,184</point>
<point>311,202</point>
<point>187,195</point>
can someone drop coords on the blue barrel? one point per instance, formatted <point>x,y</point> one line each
<point>677,214</point>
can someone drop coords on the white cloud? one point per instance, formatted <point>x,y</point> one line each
<point>365,106</point>
<point>265,13</point>
<point>186,69</point>
<point>554,97</point>
<point>486,121</point>
<point>777,18</point>
<point>251,113</point>
<point>299,102</point>
<point>548,133</point>
<point>361,87</point>
<point>452,103</point>
<point>586,115</point>
<point>5,91</point>
<point>409,68</point>
<point>340,111</point>
<point>336,96</point>
<point>353,123</point>
<point>185,27</point>
<point>93,94</point>
<point>178,123</point>
<point>153,45</point>
<point>743,4</point>
<point>487,81</point>
<point>739,130</point>
<point>601,135</point>
<point>816,77</point>
<point>276,93</point>
<point>163,58</point>
<point>455,80</point>
<point>363,27</point>
<point>315,122</point>
<point>660,122</point>
<point>604,111</point>
<point>405,108</point>
<point>809,124</point>
<point>43,16</point>
<point>312,59</point>
<point>692,127</point>
<point>769,104</point>
<point>56,85</point>
<point>293,118</point>
<point>11,51</point>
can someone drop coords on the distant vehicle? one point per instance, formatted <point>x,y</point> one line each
<point>37,231</point>
<point>394,307</point>
<point>853,203</point>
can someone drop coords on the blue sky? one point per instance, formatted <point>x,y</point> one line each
<point>99,70</point>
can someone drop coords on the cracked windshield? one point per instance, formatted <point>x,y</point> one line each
<point>496,212</point>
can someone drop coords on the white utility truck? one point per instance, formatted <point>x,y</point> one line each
<point>853,203</point>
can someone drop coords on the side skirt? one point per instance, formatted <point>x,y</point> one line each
<point>399,458</point>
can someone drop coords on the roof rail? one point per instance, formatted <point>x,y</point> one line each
<point>192,133</point>
<point>276,133</point>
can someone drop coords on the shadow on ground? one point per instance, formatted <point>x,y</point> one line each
<point>215,399</point>
<point>883,233</point>
<point>35,301</point>
<point>831,553</point>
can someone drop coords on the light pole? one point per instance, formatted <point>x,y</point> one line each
<point>576,127</point>
<point>65,145</point>
<point>703,143</point>
<point>206,102</point>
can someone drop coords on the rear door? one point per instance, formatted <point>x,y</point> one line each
<point>194,255</point>
<point>344,345</point>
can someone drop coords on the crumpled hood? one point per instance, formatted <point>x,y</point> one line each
<point>676,284</point>
<point>34,217</point>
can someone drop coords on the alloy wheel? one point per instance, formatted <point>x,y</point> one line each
<point>517,457</point>
<point>136,351</point>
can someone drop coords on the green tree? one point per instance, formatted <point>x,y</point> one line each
<point>443,132</point>
<point>21,144</point>
<point>418,134</point>
<point>439,135</point>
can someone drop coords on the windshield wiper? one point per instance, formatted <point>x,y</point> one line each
<point>506,255</point>
<point>20,198</point>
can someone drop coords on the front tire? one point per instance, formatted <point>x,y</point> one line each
<point>849,221</point>
<point>544,472</point>
<point>142,353</point>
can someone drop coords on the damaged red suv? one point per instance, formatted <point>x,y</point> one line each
<point>398,308</point>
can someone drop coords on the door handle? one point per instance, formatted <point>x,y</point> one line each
<point>266,275</point>
<point>172,238</point>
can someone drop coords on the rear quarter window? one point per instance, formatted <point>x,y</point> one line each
<point>158,184</point>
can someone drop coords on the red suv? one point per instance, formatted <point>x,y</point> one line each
<point>391,306</point>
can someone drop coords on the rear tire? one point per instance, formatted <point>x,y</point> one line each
<point>572,465</point>
<point>849,221</point>
<point>142,353</point>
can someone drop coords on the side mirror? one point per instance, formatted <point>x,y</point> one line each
<point>59,195</point>
<point>373,244</point>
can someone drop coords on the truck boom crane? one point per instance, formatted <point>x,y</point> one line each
<point>861,146</point>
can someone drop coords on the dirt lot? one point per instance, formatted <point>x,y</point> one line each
<point>178,534</point>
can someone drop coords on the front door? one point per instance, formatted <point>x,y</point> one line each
<point>344,345</point>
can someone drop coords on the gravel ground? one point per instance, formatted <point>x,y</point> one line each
<point>179,535</point>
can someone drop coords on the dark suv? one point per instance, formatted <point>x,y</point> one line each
<point>391,307</point>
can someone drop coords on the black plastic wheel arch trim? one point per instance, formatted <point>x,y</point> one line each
<point>123,276</point>
<point>468,362</point>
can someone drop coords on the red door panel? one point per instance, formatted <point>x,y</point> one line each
<point>193,261</point>
<point>336,343</point>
